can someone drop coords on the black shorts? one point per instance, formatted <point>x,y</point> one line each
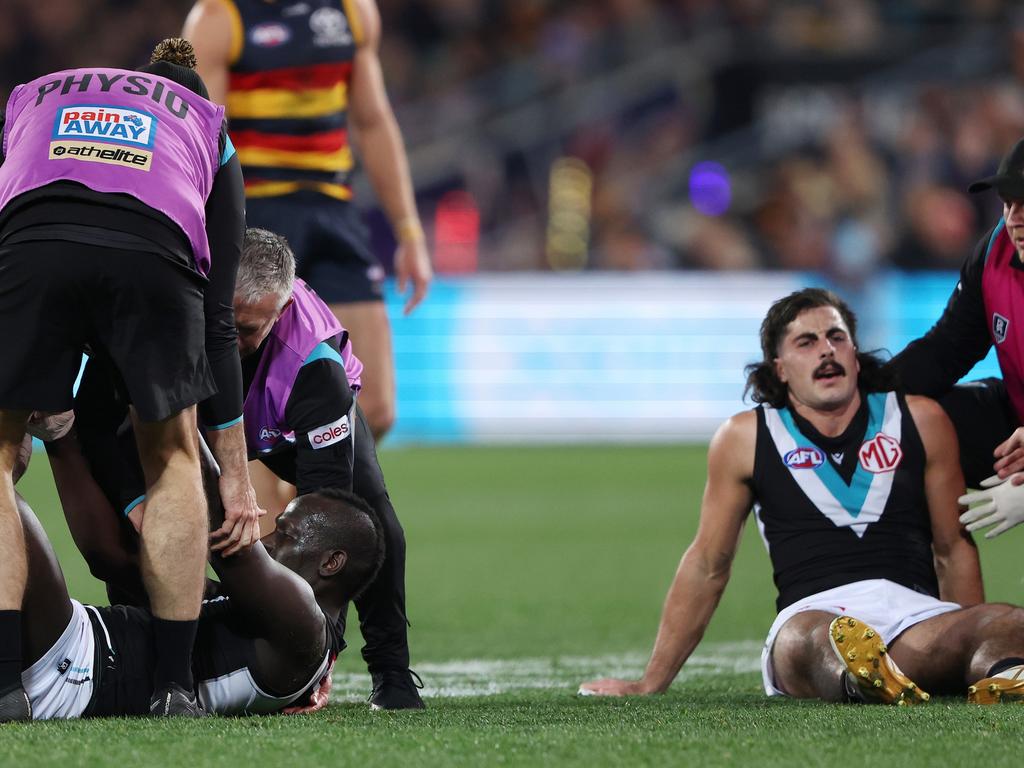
<point>983,417</point>
<point>124,662</point>
<point>330,242</point>
<point>140,311</point>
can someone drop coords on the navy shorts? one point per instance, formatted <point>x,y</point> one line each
<point>330,241</point>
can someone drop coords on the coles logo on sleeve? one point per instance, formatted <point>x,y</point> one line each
<point>329,434</point>
<point>804,458</point>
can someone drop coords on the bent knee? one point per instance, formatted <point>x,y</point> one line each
<point>108,564</point>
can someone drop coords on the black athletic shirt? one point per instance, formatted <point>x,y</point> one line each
<point>321,395</point>
<point>125,655</point>
<point>819,531</point>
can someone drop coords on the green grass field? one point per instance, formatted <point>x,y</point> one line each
<point>531,569</point>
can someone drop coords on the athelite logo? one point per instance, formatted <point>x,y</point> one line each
<point>880,454</point>
<point>329,434</point>
<point>270,35</point>
<point>804,458</point>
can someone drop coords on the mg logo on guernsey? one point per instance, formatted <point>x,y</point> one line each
<point>880,454</point>
<point>804,458</point>
<point>113,124</point>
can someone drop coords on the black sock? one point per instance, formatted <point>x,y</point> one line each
<point>1004,664</point>
<point>849,691</point>
<point>174,640</point>
<point>10,651</point>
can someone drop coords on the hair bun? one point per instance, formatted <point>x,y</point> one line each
<point>175,50</point>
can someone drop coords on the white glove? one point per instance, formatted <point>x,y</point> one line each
<point>50,426</point>
<point>1003,507</point>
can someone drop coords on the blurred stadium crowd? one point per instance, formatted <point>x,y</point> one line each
<point>832,135</point>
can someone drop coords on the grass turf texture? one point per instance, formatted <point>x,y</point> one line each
<point>530,570</point>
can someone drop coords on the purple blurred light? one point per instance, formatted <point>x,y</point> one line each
<point>710,191</point>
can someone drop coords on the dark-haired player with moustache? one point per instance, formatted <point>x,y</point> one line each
<point>854,489</point>
<point>984,311</point>
<point>264,643</point>
<point>121,217</point>
<point>300,379</point>
<point>302,83</point>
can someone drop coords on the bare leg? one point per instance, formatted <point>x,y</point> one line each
<point>46,609</point>
<point>13,561</point>
<point>370,332</point>
<point>175,529</point>
<point>948,652</point>
<point>804,663</point>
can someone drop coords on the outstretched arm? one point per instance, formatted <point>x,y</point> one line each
<point>275,602</point>
<point>383,153</point>
<point>704,570</point>
<point>92,519</point>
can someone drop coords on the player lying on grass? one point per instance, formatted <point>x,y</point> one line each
<point>854,489</point>
<point>265,643</point>
<point>300,380</point>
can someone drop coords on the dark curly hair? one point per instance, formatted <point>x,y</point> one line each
<point>763,382</point>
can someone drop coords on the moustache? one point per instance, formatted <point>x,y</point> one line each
<point>828,369</point>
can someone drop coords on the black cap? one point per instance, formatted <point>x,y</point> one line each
<point>1009,178</point>
<point>179,74</point>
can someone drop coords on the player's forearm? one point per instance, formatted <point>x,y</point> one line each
<point>959,573</point>
<point>691,601</point>
<point>383,156</point>
<point>228,447</point>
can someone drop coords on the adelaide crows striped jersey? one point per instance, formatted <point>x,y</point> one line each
<point>290,72</point>
<point>842,509</point>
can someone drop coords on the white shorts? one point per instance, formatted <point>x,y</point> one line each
<point>59,685</point>
<point>888,607</point>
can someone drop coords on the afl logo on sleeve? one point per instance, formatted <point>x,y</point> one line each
<point>1000,325</point>
<point>880,454</point>
<point>329,434</point>
<point>804,458</point>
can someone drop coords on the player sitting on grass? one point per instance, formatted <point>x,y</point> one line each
<point>854,489</point>
<point>264,644</point>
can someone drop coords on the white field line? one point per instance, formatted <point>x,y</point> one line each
<point>488,677</point>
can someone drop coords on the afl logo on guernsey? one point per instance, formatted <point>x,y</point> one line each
<point>268,433</point>
<point>270,35</point>
<point>1000,325</point>
<point>880,454</point>
<point>804,458</point>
